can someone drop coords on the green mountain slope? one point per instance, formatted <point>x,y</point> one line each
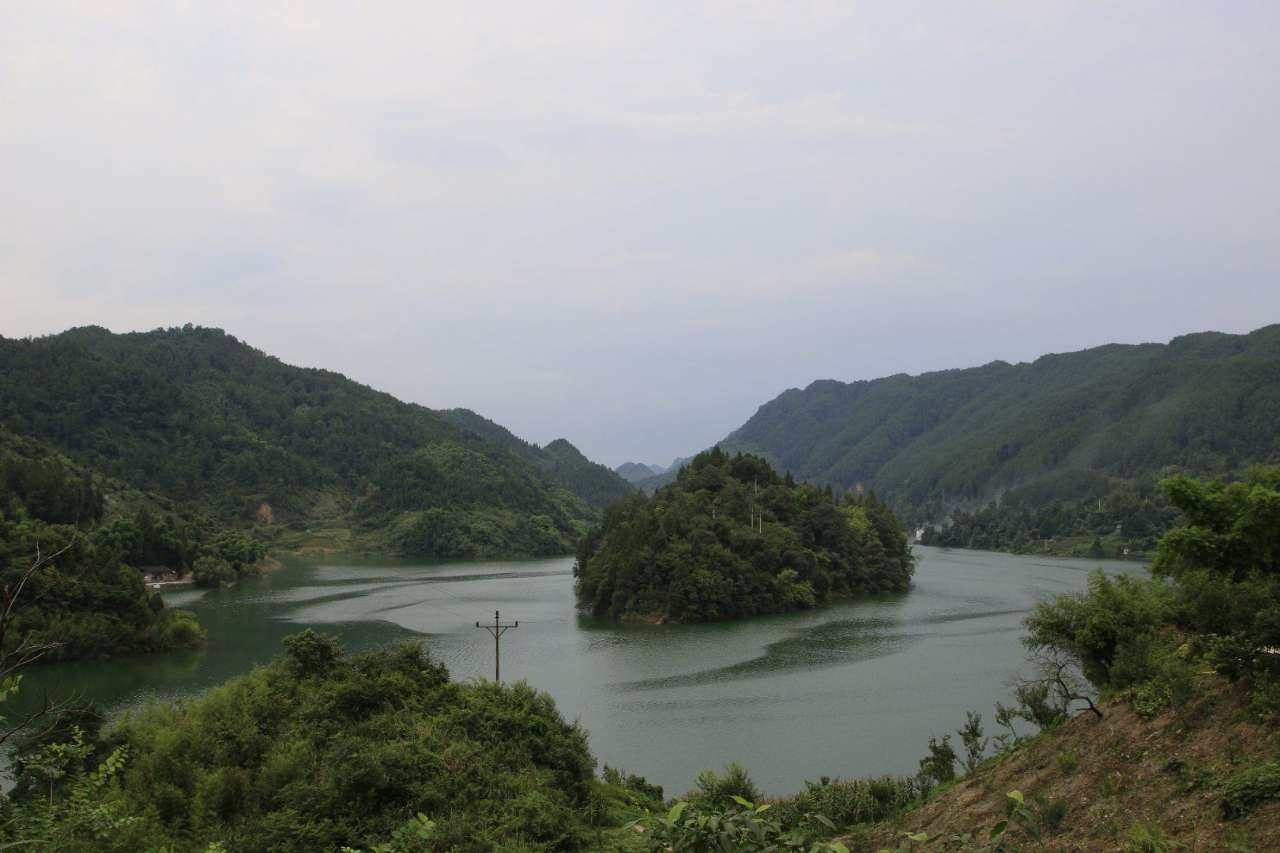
<point>1068,427</point>
<point>196,416</point>
<point>563,463</point>
<point>638,472</point>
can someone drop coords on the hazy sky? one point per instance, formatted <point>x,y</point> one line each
<point>631,224</point>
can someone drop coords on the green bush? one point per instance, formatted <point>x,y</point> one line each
<point>740,826</point>
<point>181,630</point>
<point>1148,838</point>
<point>320,750</point>
<point>1106,628</point>
<point>209,571</point>
<point>1217,578</point>
<point>1247,788</point>
<point>848,802</point>
<point>939,766</point>
<point>638,785</point>
<point>718,790</point>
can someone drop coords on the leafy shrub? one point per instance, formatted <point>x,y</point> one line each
<point>1170,681</point>
<point>796,594</point>
<point>1109,624</point>
<point>719,790</point>
<point>939,766</point>
<point>181,630</point>
<point>631,782</point>
<point>1247,788</point>
<point>321,750</point>
<point>847,802</point>
<point>1148,838</point>
<point>1265,701</point>
<point>975,745</point>
<point>209,571</point>
<point>741,826</point>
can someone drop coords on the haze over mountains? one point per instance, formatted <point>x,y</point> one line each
<point>635,472</point>
<point>1069,424</point>
<point>197,416</point>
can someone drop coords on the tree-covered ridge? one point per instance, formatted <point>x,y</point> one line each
<point>454,500</point>
<point>563,463</point>
<point>1204,404</point>
<point>730,539</point>
<point>1124,520</point>
<point>196,416</point>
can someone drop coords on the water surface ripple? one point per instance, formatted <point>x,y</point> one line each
<point>851,689</point>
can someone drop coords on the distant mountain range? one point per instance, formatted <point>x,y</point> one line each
<point>1066,427</point>
<point>635,472</point>
<point>198,417</point>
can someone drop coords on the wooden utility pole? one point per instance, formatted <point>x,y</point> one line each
<point>497,629</point>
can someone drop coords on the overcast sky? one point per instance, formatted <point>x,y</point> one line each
<point>630,224</point>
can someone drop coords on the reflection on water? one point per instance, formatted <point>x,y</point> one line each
<point>851,689</point>
<point>827,644</point>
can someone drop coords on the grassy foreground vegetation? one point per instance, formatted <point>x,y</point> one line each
<point>318,751</point>
<point>729,539</point>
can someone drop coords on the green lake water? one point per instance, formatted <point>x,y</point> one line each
<point>848,690</point>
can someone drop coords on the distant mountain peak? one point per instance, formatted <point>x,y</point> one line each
<point>635,472</point>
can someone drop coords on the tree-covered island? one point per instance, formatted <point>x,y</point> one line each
<point>730,538</point>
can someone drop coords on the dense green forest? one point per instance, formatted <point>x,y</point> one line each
<point>1043,440</point>
<point>88,538</point>
<point>730,538</point>
<point>563,463</point>
<point>1125,520</point>
<point>206,421</point>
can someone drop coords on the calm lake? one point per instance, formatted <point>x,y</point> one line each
<point>849,690</point>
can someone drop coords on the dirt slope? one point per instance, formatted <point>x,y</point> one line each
<point>1120,779</point>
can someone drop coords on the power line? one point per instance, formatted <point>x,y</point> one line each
<point>497,629</point>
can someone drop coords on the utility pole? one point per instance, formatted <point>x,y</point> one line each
<point>497,629</point>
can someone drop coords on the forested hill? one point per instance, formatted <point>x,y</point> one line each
<point>1072,427</point>
<point>730,538</point>
<point>636,472</point>
<point>199,417</point>
<point>560,460</point>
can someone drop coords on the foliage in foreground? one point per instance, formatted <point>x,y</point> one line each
<point>744,826</point>
<point>1214,594</point>
<point>731,538</point>
<point>725,812</point>
<point>319,750</point>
